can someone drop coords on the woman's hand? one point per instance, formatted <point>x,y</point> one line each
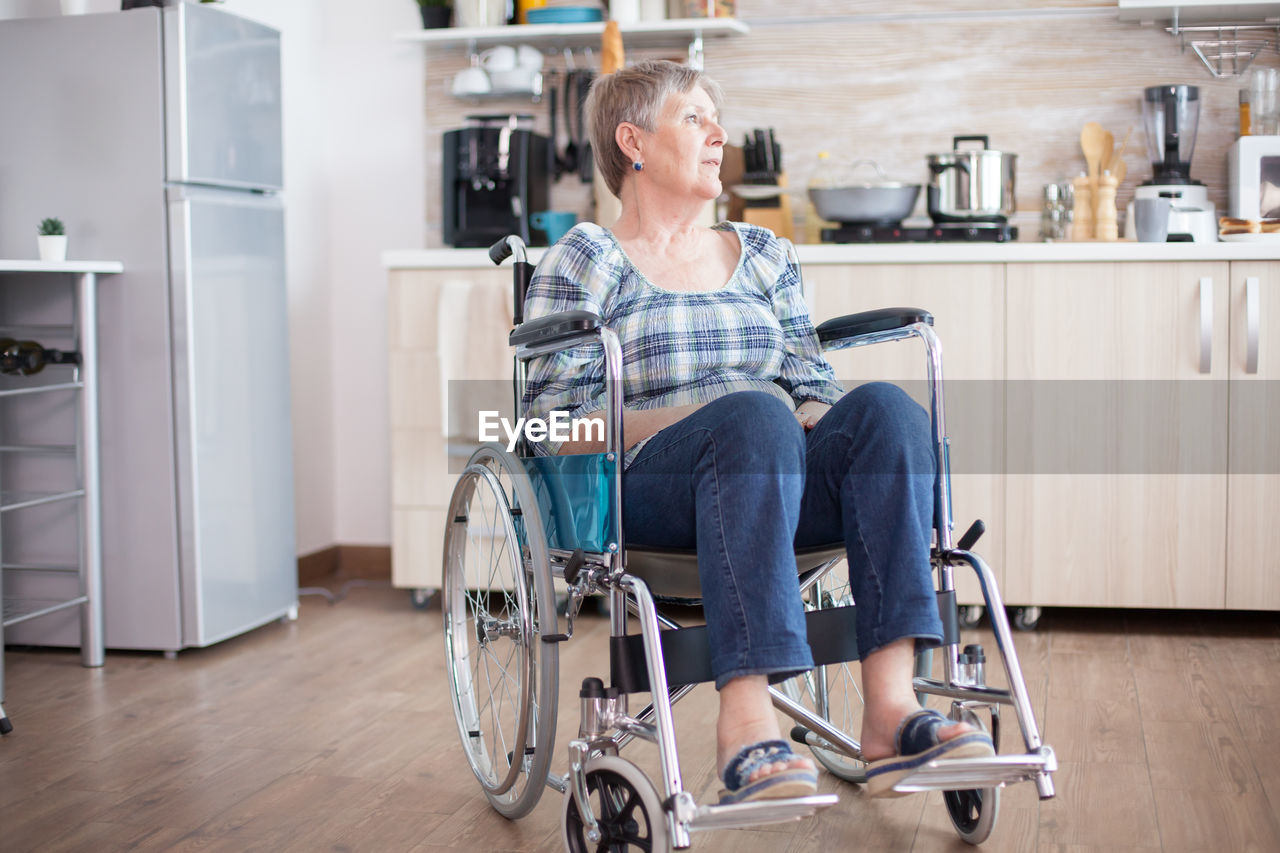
<point>810,412</point>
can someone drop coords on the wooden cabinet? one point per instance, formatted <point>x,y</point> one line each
<point>1117,425</point>
<point>967,301</point>
<point>1106,419</point>
<point>1253,482</point>
<point>446,326</point>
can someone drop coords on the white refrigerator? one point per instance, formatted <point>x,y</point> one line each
<point>155,134</point>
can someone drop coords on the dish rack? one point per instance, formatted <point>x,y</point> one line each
<point>1227,50</point>
<point>79,379</point>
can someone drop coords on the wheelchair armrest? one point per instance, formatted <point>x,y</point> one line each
<point>554,328</point>
<point>871,322</point>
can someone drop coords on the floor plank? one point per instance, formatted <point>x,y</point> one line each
<point>336,732</point>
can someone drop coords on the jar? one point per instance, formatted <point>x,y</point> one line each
<point>480,13</point>
<point>707,9</point>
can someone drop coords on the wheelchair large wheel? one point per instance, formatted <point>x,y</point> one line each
<point>626,808</point>
<point>496,597</point>
<point>833,692</point>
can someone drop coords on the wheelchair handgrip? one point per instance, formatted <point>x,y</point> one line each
<point>500,251</point>
<point>505,248</point>
<point>871,322</point>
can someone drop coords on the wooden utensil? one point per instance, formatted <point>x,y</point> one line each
<point>1123,145</point>
<point>1108,150</point>
<point>612,56</point>
<point>1118,169</point>
<point>1091,143</point>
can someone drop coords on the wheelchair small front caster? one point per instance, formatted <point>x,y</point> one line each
<point>973,812</point>
<point>969,616</point>
<point>1026,618</point>
<point>626,807</point>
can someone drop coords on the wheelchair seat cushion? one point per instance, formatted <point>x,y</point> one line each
<point>794,782</point>
<point>672,573</point>
<point>917,744</point>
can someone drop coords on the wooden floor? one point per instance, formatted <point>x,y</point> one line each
<point>335,733</point>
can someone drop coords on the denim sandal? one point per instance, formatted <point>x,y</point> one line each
<point>796,782</point>
<point>917,743</point>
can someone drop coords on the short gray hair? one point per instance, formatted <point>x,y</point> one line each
<point>636,94</point>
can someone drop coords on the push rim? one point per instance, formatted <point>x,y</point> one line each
<point>496,594</point>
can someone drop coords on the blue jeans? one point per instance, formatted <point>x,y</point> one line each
<point>743,483</point>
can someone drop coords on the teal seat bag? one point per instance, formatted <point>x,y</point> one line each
<point>575,498</point>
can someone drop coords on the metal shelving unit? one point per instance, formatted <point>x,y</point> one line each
<point>83,383</point>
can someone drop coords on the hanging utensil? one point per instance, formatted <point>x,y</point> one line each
<point>570,160</point>
<point>586,166</point>
<point>554,163</point>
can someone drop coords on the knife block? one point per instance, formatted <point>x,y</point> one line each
<point>776,219</point>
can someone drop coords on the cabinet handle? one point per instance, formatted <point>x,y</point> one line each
<point>1252,313</point>
<point>1206,324</point>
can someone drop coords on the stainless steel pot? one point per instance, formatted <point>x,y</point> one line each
<point>876,202</point>
<point>971,184</point>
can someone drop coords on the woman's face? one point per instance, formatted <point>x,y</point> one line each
<point>685,150</point>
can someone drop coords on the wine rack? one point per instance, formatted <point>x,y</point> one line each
<point>61,375</point>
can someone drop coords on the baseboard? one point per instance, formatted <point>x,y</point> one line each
<point>370,562</point>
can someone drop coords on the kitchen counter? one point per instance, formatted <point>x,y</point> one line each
<point>921,253</point>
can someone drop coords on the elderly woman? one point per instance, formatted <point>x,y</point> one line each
<point>739,441</point>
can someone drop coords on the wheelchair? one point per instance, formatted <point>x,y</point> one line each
<point>526,534</point>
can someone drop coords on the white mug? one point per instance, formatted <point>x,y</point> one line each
<point>471,81</point>
<point>500,58</point>
<point>529,57</point>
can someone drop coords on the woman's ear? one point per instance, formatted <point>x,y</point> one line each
<point>628,138</point>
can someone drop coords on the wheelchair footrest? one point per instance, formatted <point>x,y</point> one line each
<point>958,774</point>
<point>760,812</point>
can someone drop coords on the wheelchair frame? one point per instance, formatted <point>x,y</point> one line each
<point>605,724</point>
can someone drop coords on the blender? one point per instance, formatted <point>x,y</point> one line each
<point>1170,115</point>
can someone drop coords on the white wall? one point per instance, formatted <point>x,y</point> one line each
<point>355,174</point>
<point>354,177</point>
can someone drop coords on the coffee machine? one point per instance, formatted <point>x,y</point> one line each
<point>495,175</point>
<point>1170,115</point>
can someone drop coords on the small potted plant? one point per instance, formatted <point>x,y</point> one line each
<point>435,13</point>
<point>52,240</point>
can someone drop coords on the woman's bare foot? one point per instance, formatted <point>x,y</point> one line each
<point>878,732</point>
<point>746,718</point>
<point>886,681</point>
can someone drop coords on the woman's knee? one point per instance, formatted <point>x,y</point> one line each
<point>880,410</point>
<point>756,424</point>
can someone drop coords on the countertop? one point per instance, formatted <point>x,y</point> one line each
<point>922,253</point>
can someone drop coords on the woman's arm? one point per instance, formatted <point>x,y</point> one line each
<point>805,373</point>
<point>636,426</point>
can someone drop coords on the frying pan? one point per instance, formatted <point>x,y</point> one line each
<point>880,202</point>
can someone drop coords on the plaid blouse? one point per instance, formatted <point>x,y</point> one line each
<point>678,347</point>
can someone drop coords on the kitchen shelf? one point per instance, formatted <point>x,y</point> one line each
<point>83,381</point>
<point>1237,11</point>
<point>678,31</point>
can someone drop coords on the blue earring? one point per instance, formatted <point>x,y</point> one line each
<point>637,165</point>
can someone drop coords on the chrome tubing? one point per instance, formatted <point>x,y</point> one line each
<point>933,347</point>
<point>613,433</point>
<point>942,481</point>
<point>579,755</point>
<point>672,784</point>
<point>814,723</point>
<point>1009,655</point>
